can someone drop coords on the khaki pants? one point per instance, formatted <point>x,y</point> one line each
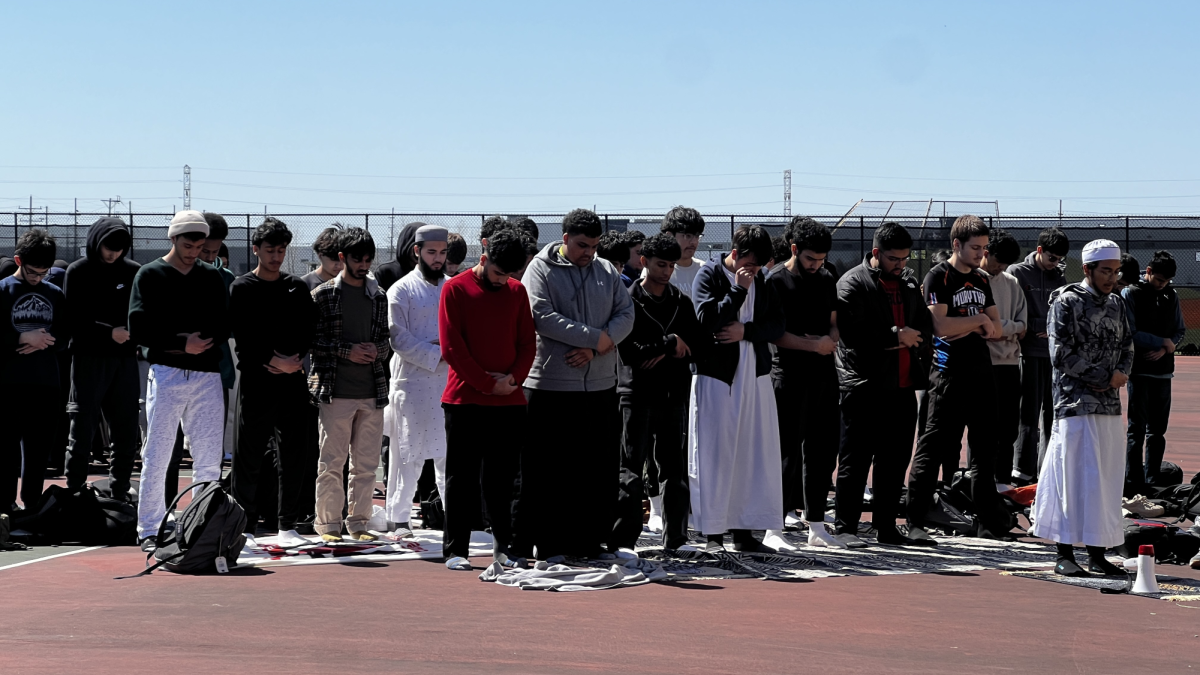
<point>351,427</point>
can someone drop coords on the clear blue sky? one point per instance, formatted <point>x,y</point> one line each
<point>512,107</point>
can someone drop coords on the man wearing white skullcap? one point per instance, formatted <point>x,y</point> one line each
<point>178,316</point>
<point>1082,475</point>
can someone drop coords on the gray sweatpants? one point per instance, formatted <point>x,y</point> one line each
<point>174,396</point>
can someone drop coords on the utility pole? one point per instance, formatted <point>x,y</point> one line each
<point>111,203</point>
<point>187,187</point>
<point>787,192</point>
<point>29,211</point>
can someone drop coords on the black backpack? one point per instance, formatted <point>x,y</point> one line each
<point>1169,473</point>
<point>83,516</point>
<point>208,535</point>
<point>1171,544</point>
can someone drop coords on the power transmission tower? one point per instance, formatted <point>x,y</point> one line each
<point>187,187</point>
<point>787,192</point>
<point>111,203</point>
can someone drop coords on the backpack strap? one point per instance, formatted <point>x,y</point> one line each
<point>171,509</point>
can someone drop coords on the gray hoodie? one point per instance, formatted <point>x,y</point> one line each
<point>571,306</point>
<point>1038,285</point>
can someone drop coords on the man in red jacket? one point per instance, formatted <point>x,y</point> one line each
<point>485,328</point>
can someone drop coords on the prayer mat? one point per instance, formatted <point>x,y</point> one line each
<point>423,545</point>
<point>1169,587</point>
<point>953,554</point>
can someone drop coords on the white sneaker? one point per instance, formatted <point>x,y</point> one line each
<point>1142,507</point>
<point>291,538</point>
<point>774,539</point>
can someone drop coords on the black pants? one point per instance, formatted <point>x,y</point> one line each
<point>57,460</point>
<point>31,411</point>
<point>966,399</point>
<point>1008,418</point>
<point>570,467</point>
<point>878,429</point>
<point>654,433</point>
<point>1037,407</point>
<point>1149,413</point>
<point>483,452</point>
<point>808,439</point>
<point>108,385</point>
<point>953,455</point>
<point>271,407</point>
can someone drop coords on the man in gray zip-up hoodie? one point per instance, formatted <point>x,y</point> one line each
<point>1040,275</point>
<point>581,311</point>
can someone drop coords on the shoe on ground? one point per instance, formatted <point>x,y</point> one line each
<point>362,535</point>
<point>626,554</point>
<point>752,546</point>
<point>148,544</point>
<point>892,537</point>
<point>458,564</point>
<point>984,533</point>
<point>331,538</point>
<point>850,540</point>
<point>1142,507</point>
<point>920,537</point>
<point>1195,563</point>
<point>792,520</point>
<point>1104,567</point>
<point>1070,568</point>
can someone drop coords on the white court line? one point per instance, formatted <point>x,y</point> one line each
<point>50,557</point>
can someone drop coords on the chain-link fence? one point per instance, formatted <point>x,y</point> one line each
<point>1140,236</point>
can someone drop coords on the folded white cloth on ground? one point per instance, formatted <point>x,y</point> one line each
<point>546,577</point>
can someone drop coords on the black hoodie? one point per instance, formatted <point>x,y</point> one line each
<point>389,273</point>
<point>98,295</point>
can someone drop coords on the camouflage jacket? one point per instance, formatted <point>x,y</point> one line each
<point>1089,341</point>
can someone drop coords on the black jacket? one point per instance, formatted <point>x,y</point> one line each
<point>657,323</point>
<point>98,295</point>
<point>1154,315</point>
<point>717,304</point>
<point>270,316</point>
<point>389,273</point>
<point>864,319</point>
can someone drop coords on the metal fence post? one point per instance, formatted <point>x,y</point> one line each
<point>247,251</point>
<point>131,237</point>
<point>862,253</point>
<point>606,222</point>
<point>732,228</point>
<point>1127,234</point>
<point>367,222</point>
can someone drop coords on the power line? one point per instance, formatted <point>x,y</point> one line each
<point>482,194</point>
<point>413,177</point>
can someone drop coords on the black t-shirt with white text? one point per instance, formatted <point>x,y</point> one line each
<point>964,295</point>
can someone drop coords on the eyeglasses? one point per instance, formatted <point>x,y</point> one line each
<point>30,273</point>
<point>897,259</point>
<point>1054,259</point>
<point>689,236</point>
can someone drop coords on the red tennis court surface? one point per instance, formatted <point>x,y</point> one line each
<point>69,614</point>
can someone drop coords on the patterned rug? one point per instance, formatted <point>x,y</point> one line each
<point>952,555</point>
<point>1170,588</point>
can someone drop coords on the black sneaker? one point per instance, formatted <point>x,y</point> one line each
<point>149,544</point>
<point>892,537</point>
<point>920,537</point>
<point>984,533</point>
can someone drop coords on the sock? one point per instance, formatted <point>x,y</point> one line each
<point>774,539</point>
<point>655,506</point>
<point>819,536</point>
<point>1098,563</point>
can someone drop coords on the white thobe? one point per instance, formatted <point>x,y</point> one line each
<point>735,471</point>
<point>413,420</point>
<point>1079,488</point>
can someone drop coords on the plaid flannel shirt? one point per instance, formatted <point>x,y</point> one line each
<point>328,346</point>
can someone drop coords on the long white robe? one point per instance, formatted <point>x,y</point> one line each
<point>1079,488</point>
<point>735,469</point>
<point>413,420</point>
